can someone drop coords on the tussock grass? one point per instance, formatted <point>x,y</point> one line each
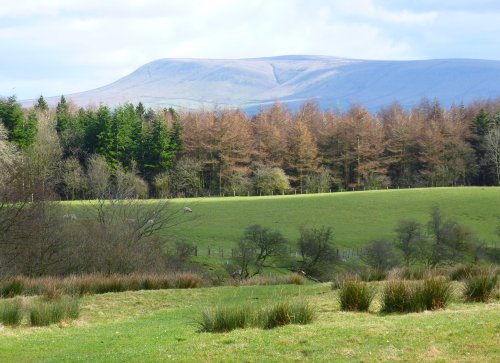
<point>293,279</point>
<point>11,312</point>
<point>225,318</point>
<point>43,312</point>
<point>11,287</point>
<point>402,296</point>
<point>461,272</point>
<point>78,285</point>
<point>285,312</point>
<point>480,287</point>
<point>436,293</point>
<point>355,295</point>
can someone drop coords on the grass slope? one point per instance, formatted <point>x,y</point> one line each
<point>356,217</point>
<point>148,326</point>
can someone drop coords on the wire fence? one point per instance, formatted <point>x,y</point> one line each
<point>225,252</point>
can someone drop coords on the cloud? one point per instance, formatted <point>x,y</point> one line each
<point>86,44</point>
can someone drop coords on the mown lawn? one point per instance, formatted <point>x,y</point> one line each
<point>148,326</point>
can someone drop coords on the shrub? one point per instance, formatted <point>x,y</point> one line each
<point>355,295</point>
<point>43,313</point>
<point>11,312</point>
<point>224,319</point>
<point>436,293</point>
<point>480,288</point>
<point>401,296</point>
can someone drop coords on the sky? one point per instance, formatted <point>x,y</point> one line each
<point>55,47</point>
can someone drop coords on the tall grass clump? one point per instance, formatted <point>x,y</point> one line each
<point>43,313</point>
<point>11,312</point>
<point>12,286</point>
<point>355,295</point>
<point>187,281</point>
<point>436,293</point>
<point>402,296</point>
<point>285,312</point>
<point>293,279</point>
<point>225,318</point>
<point>480,288</point>
<point>463,271</point>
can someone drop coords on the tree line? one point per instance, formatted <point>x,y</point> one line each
<point>70,152</point>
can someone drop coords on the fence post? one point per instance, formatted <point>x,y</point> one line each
<point>196,250</point>
<point>209,250</point>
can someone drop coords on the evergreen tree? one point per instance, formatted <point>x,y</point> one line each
<point>41,104</point>
<point>22,130</point>
<point>480,126</point>
<point>63,116</point>
<point>158,153</point>
<point>24,133</point>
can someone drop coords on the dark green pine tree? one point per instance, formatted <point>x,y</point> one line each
<point>22,130</point>
<point>63,116</point>
<point>479,128</point>
<point>41,104</point>
<point>120,141</point>
<point>176,132</point>
<point>158,155</point>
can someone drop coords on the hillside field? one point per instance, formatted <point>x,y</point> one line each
<point>355,217</point>
<point>147,326</point>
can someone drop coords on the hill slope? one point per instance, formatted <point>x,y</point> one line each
<point>332,82</point>
<point>356,217</point>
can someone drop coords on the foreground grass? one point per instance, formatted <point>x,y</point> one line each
<point>161,326</point>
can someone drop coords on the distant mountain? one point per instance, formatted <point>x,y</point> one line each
<point>332,82</point>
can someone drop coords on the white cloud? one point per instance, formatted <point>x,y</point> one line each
<point>99,41</point>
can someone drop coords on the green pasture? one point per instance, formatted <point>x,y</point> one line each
<point>355,217</point>
<point>151,326</point>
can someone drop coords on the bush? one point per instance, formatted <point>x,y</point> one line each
<point>355,295</point>
<point>401,296</point>
<point>43,313</point>
<point>224,319</point>
<point>11,312</point>
<point>436,293</point>
<point>480,288</point>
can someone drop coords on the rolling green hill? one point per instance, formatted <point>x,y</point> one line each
<point>356,217</point>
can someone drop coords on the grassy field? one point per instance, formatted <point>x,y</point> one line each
<point>356,217</point>
<point>146,326</point>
